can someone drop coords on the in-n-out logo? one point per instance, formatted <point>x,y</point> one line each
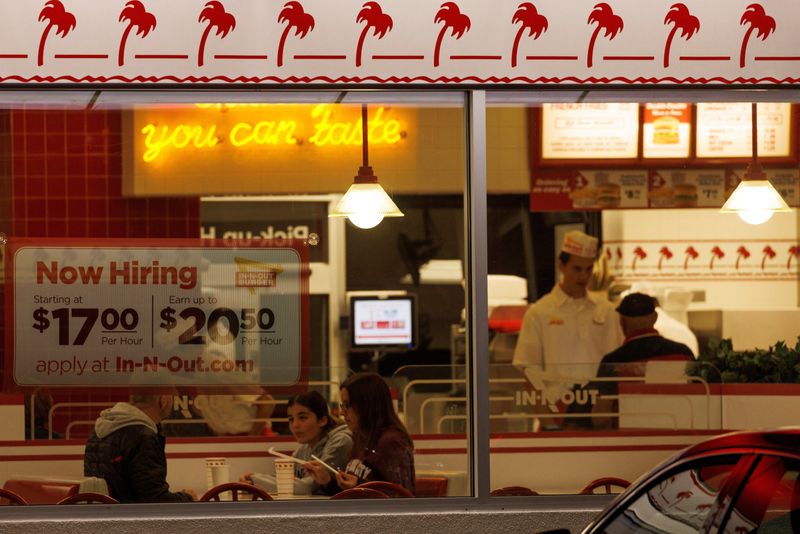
<point>553,395</point>
<point>269,234</point>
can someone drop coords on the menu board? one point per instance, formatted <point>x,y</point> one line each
<point>682,188</point>
<point>589,190</point>
<point>667,130</point>
<point>590,131</point>
<point>724,130</point>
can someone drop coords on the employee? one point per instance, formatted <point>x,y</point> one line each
<point>567,332</point>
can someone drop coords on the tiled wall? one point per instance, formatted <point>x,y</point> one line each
<point>67,181</point>
<point>61,175</point>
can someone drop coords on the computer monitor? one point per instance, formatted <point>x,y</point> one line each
<point>383,323</point>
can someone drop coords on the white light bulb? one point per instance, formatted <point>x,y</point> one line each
<point>755,217</point>
<point>366,220</point>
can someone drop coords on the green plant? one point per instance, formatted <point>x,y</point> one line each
<point>721,363</point>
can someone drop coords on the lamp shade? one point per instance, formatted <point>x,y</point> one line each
<point>755,201</point>
<point>366,204</point>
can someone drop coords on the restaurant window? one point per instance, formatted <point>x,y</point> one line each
<point>183,243</point>
<point>630,185</point>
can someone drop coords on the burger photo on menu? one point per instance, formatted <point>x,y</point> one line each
<point>609,195</point>
<point>585,197</point>
<point>665,131</point>
<point>661,197</point>
<point>684,196</point>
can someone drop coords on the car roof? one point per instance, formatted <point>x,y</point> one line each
<point>785,440</point>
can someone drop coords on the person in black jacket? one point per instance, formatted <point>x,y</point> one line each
<point>126,449</point>
<point>643,343</point>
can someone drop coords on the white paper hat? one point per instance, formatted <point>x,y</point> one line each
<point>579,244</point>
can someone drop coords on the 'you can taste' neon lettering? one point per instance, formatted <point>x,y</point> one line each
<point>327,131</point>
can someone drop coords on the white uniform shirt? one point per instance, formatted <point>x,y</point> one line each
<point>567,336</point>
<point>673,329</point>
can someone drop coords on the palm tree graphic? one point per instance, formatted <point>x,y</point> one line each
<point>794,252</point>
<point>214,13</point>
<point>679,16</point>
<point>763,24</point>
<point>57,17</point>
<point>137,16</point>
<point>298,19</point>
<point>638,254</point>
<point>664,253</point>
<point>691,253</point>
<point>716,252</point>
<point>741,253</point>
<point>376,19</point>
<point>530,20</point>
<point>454,20</point>
<point>606,20</point>
<point>768,253</point>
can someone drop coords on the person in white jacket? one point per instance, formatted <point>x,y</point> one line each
<point>567,331</point>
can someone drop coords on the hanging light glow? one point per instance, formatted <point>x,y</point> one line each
<point>755,199</point>
<point>365,203</point>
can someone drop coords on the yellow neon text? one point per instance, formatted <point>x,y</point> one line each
<point>180,137</point>
<point>263,133</point>
<point>328,132</point>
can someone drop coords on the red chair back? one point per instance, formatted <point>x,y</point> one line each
<point>606,483</point>
<point>431,487</point>
<point>389,488</point>
<point>89,498</point>
<point>8,497</point>
<point>360,493</point>
<point>42,491</point>
<point>236,489</point>
<point>512,491</point>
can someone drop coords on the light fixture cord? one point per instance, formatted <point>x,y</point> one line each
<point>364,136</point>
<point>754,132</point>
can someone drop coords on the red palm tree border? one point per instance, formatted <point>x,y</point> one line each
<point>453,19</point>
<point>136,15</point>
<point>530,20</point>
<point>297,18</point>
<point>757,19</point>
<point>215,15</point>
<point>606,20</point>
<point>375,18</point>
<point>679,16</point>
<point>57,16</point>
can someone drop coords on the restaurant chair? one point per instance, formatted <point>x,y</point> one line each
<point>42,490</point>
<point>9,498</point>
<point>88,498</point>
<point>431,487</point>
<point>515,491</point>
<point>236,488</point>
<point>360,493</point>
<point>391,489</point>
<point>607,483</point>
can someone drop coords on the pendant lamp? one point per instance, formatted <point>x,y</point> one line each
<point>366,203</point>
<point>755,200</point>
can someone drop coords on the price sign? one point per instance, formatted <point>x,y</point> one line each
<point>156,316</point>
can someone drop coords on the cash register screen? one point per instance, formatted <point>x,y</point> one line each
<point>383,323</point>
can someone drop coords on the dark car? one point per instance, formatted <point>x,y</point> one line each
<point>736,483</point>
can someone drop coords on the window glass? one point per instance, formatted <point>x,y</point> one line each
<point>197,250</point>
<point>598,196</point>
<point>678,502</point>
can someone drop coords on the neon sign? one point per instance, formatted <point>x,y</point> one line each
<point>327,131</point>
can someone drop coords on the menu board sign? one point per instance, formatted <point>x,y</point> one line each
<point>682,188</point>
<point>593,131</point>
<point>666,130</point>
<point>724,130</point>
<point>589,190</point>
